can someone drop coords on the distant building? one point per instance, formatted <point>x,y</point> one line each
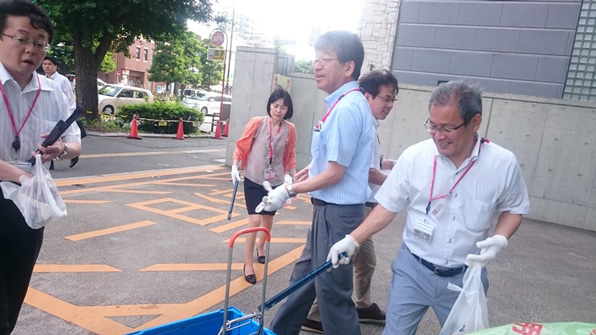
<point>133,71</point>
<point>543,48</point>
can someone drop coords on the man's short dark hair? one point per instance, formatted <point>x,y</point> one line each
<point>467,97</point>
<point>371,82</point>
<point>51,59</point>
<point>38,17</point>
<point>280,93</point>
<point>346,45</point>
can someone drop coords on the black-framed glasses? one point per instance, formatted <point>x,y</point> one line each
<point>434,129</point>
<point>23,41</point>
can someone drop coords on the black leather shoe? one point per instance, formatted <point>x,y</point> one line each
<point>249,278</point>
<point>74,161</point>
<point>260,259</point>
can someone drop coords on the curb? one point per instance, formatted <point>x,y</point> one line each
<point>100,134</point>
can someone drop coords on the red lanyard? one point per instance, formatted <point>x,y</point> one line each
<point>317,128</point>
<point>432,183</point>
<point>17,142</point>
<point>271,140</point>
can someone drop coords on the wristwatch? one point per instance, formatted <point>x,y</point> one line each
<point>290,190</point>
<point>63,154</point>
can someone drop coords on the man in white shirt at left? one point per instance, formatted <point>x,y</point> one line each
<point>30,107</point>
<point>50,67</point>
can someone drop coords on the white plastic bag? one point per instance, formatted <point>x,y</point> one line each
<point>470,311</point>
<point>37,198</point>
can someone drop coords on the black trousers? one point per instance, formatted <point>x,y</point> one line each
<point>19,248</point>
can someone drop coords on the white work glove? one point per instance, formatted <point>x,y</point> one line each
<point>236,176</point>
<point>288,179</point>
<point>348,245</point>
<point>489,249</point>
<point>275,199</point>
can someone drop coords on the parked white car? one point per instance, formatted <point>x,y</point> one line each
<point>112,96</point>
<point>207,102</point>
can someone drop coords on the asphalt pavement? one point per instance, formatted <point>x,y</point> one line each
<point>146,243</point>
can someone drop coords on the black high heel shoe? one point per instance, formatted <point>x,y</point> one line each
<point>260,259</point>
<point>249,278</point>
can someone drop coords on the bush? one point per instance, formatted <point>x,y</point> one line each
<point>163,117</point>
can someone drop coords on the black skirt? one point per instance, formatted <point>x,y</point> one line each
<point>253,195</point>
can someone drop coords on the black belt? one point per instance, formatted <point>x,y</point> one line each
<point>370,204</point>
<point>319,202</point>
<point>440,272</point>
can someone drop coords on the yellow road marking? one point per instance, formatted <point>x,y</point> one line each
<point>137,192</point>
<point>136,175</point>
<point>201,304</point>
<point>229,226</point>
<point>174,212</point>
<point>295,223</point>
<point>130,185</point>
<point>108,231</point>
<point>81,317</point>
<point>74,268</point>
<point>150,153</point>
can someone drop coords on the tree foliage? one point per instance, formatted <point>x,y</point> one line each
<point>304,66</point>
<point>212,71</point>
<point>178,61</point>
<point>96,27</point>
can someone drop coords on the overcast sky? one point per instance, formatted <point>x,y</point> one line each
<point>294,19</point>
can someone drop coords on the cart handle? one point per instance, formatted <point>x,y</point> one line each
<point>297,284</point>
<point>247,231</point>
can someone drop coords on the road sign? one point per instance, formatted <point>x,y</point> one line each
<point>217,38</point>
<point>217,55</point>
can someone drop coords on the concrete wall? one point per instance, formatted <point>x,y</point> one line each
<point>553,139</point>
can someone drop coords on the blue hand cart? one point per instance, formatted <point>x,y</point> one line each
<point>234,322</point>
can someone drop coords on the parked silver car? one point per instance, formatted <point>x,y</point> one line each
<point>207,102</point>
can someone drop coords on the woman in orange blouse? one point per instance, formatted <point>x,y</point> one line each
<point>266,150</point>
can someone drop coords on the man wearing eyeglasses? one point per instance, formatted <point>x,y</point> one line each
<point>379,88</point>
<point>31,105</point>
<point>451,187</point>
<point>337,180</point>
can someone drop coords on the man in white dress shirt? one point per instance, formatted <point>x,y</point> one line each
<point>451,187</point>
<point>50,67</point>
<point>30,107</point>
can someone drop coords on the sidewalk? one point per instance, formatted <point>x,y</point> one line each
<point>143,249</point>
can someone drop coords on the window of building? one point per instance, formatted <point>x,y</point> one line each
<point>138,53</point>
<point>146,54</point>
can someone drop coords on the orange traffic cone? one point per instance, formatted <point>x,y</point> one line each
<point>133,129</point>
<point>217,130</point>
<point>180,133</point>
<point>226,128</point>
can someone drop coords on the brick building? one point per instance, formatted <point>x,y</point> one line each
<point>133,71</point>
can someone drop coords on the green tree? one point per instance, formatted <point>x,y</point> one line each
<point>212,71</point>
<point>177,61</point>
<point>96,27</point>
<point>303,66</point>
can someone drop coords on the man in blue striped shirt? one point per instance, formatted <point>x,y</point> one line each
<point>337,180</point>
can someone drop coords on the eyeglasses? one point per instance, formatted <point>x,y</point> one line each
<point>20,40</point>
<point>387,99</point>
<point>434,129</point>
<point>323,61</point>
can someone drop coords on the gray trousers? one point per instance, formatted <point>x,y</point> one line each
<point>414,288</point>
<point>331,223</point>
<point>365,262</point>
